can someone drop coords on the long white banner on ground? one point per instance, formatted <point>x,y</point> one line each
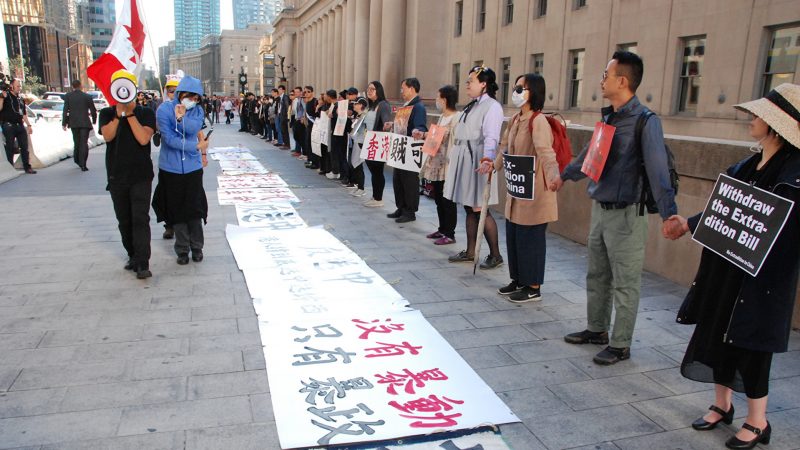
<point>271,216</point>
<point>361,377</point>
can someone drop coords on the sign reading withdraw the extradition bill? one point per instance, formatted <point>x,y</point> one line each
<point>741,222</point>
<point>520,175</point>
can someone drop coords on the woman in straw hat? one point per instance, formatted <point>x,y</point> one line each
<point>742,320</point>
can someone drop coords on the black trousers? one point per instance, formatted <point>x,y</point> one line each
<point>228,116</point>
<point>299,132</point>
<point>446,209</point>
<point>132,208</point>
<point>378,178</point>
<point>16,132</point>
<point>338,149</point>
<point>527,250</point>
<point>324,160</point>
<point>406,191</point>
<point>245,122</point>
<point>357,176</point>
<point>80,140</point>
<point>285,130</point>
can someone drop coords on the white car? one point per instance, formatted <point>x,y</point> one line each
<point>47,109</point>
<point>99,99</point>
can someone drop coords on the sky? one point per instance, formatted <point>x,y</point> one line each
<point>160,23</point>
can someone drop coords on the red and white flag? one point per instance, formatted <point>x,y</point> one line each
<point>124,52</point>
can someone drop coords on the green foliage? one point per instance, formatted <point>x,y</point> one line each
<point>33,84</point>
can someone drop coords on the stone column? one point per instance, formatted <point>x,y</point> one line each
<point>337,42</point>
<point>330,80</point>
<point>393,18</point>
<point>350,43</point>
<point>360,44</point>
<point>374,62</point>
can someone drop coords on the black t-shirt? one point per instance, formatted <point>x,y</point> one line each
<point>127,161</point>
<point>13,109</point>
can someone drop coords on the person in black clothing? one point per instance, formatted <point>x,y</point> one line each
<point>12,115</point>
<point>78,110</point>
<point>378,114</point>
<point>338,150</point>
<point>327,102</point>
<point>127,129</point>
<point>310,108</point>
<point>244,115</point>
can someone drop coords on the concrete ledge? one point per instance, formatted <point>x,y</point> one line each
<point>7,172</point>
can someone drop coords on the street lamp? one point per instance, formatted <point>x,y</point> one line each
<point>21,58</point>
<point>69,78</point>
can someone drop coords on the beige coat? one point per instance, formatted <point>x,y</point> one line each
<point>544,206</point>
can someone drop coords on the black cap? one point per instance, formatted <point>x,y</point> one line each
<point>352,91</point>
<point>362,101</point>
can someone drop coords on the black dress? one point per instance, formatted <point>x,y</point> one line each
<point>708,358</point>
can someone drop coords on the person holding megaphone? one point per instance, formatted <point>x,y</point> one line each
<point>127,129</point>
<point>179,198</point>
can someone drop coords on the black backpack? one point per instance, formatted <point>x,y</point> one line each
<point>646,199</point>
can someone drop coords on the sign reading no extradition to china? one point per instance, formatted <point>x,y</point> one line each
<point>520,174</point>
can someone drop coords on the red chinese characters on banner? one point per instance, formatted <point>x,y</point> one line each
<point>430,411</point>
<point>386,144</point>
<point>388,349</point>
<point>372,148</point>
<point>367,329</point>
<point>409,379</point>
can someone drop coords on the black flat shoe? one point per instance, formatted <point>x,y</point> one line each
<point>183,259</point>
<point>395,215</point>
<point>703,425</point>
<point>130,265</point>
<point>762,437</point>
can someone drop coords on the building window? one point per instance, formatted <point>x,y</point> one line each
<point>508,12</point>
<point>630,47</point>
<point>481,15</point>
<point>457,78</point>
<point>691,73</point>
<point>459,17</point>
<point>782,58</point>
<point>575,77</point>
<point>505,80</point>
<point>537,63</point>
<point>579,4</point>
<point>541,9</point>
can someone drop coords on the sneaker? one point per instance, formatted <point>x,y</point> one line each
<point>130,265</point>
<point>406,218</point>
<point>358,192</point>
<point>435,235</point>
<point>461,256</point>
<point>395,215</point>
<point>587,337</point>
<point>492,262</point>
<point>525,295</point>
<point>331,176</point>
<point>444,240</point>
<point>303,158</point>
<point>143,273</point>
<point>372,203</point>
<point>197,255</point>
<point>612,355</point>
<point>169,233</point>
<point>509,289</point>
<point>183,259</point>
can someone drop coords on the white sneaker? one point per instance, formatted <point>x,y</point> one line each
<point>331,176</point>
<point>358,193</point>
<point>372,203</point>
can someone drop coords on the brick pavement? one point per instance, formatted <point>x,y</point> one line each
<point>90,357</point>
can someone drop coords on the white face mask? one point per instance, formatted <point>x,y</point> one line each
<point>188,104</point>
<point>518,99</point>
<point>439,106</point>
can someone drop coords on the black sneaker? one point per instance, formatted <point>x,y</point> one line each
<point>405,218</point>
<point>525,295</point>
<point>587,337</point>
<point>492,262</point>
<point>395,215</point>
<point>197,255</point>
<point>169,233</point>
<point>143,273</point>
<point>461,256</point>
<point>183,259</point>
<point>130,265</point>
<point>612,355</point>
<point>509,289</point>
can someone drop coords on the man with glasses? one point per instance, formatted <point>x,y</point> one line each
<point>618,232</point>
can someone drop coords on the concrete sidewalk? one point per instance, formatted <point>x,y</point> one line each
<point>90,357</point>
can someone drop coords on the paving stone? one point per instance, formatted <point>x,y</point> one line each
<point>686,438</point>
<point>222,312</point>
<point>675,382</point>
<point>261,407</point>
<point>40,356</point>
<point>523,376</point>
<point>30,403</point>
<point>516,316</point>
<point>533,402</point>
<point>128,393</point>
<point>247,325</point>
<point>52,428</point>
<point>556,329</point>
<point>608,391</point>
<point>784,394</point>
<point>454,307</point>
<point>579,428</point>
<point>53,322</point>
<point>488,336</point>
<point>188,365</point>
<point>655,337</point>
<point>69,375</point>
<point>30,310</point>
<point>483,357</point>
<point>150,441</point>
<point>450,323</point>
<point>127,318</point>
<point>253,436</point>
<point>190,301</point>
<point>185,415</point>
<point>160,348</point>
<point>224,343</point>
<point>785,365</point>
<point>598,446</point>
<point>254,359</point>
<point>59,338</point>
<point>672,413</point>
<point>518,436</point>
<point>190,329</point>
<point>228,384</point>
<point>642,360</point>
<point>546,350</point>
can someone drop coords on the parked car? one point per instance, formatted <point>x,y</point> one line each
<point>99,99</point>
<point>54,96</point>
<point>47,109</point>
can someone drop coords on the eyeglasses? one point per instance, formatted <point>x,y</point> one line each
<point>371,89</point>
<point>519,89</point>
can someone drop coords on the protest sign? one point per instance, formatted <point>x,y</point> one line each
<point>741,222</point>
<point>400,125</point>
<point>256,195</point>
<point>376,146</point>
<point>369,377</point>
<point>341,117</point>
<point>599,146</point>
<point>520,172</point>
<point>274,216</point>
<point>406,153</point>
<point>434,140</point>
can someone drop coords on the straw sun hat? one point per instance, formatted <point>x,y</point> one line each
<point>780,109</point>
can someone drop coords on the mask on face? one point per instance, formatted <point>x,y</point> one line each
<point>518,99</point>
<point>439,106</point>
<point>188,104</point>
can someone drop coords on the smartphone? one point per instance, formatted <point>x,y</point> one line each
<point>209,134</point>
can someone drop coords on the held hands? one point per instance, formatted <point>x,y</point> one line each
<point>555,184</point>
<point>485,167</point>
<point>416,134</point>
<point>674,227</point>
<point>388,126</point>
<point>180,111</point>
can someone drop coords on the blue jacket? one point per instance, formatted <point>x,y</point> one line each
<point>418,118</point>
<point>179,153</point>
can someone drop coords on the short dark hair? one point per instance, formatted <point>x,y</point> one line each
<point>450,96</point>
<point>282,87</point>
<point>310,88</point>
<point>274,90</point>
<point>298,88</point>
<point>536,90</point>
<point>630,66</point>
<point>343,94</point>
<point>76,84</point>
<point>413,83</point>
<point>331,93</point>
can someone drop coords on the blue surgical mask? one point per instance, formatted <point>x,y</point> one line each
<point>189,104</point>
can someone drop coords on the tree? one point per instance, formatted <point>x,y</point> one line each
<point>33,83</point>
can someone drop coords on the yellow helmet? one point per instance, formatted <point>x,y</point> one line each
<point>122,73</point>
<point>171,83</point>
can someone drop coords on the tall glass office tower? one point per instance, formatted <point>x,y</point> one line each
<point>194,19</point>
<point>246,12</point>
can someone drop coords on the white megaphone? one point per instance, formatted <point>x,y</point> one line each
<point>123,86</point>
